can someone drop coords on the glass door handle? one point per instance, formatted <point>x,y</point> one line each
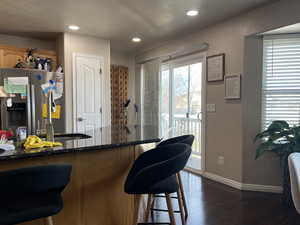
<point>199,115</point>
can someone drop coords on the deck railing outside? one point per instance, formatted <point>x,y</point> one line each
<point>184,126</point>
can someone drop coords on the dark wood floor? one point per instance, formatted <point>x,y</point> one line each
<point>211,203</point>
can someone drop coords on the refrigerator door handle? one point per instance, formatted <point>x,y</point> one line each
<point>29,108</point>
<point>33,116</point>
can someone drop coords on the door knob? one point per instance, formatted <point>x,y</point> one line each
<point>80,119</point>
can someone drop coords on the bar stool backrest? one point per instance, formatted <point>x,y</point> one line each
<point>184,139</point>
<point>156,165</point>
<point>36,179</point>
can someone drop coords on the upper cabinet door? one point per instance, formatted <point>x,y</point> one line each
<point>12,57</point>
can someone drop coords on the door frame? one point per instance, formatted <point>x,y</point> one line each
<point>183,61</point>
<point>74,80</point>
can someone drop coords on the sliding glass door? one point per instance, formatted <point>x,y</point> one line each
<point>181,103</point>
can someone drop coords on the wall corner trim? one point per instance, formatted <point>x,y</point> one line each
<point>242,186</point>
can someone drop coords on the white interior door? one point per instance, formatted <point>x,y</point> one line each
<point>87,95</point>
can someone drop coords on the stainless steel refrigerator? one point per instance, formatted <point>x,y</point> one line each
<point>26,109</point>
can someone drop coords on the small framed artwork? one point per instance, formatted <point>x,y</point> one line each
<point>233,87</point>
<point>215,67</point>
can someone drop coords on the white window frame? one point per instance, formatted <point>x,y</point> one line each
<point>283,91</point>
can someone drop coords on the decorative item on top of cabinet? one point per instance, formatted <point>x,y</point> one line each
<point>119,92</point>
<point>10,56</point>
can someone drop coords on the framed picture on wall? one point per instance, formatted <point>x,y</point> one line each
<point>233,87</point>
<point>215,67</point>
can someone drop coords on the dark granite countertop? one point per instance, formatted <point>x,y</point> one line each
<point>106,138</point>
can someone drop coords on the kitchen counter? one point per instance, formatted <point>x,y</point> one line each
<point>100,165</point>
<point>106,138</point>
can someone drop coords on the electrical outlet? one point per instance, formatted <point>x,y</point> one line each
<point>221,160</point>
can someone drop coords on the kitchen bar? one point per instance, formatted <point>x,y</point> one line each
<point>100,163</point>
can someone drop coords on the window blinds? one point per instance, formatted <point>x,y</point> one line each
<point>281,80</point>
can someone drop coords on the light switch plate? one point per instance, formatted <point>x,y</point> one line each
<point>211,107</point>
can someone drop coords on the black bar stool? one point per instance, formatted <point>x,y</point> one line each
<point>154,172</point>
<point>32,193</point>
<point>184,139</point>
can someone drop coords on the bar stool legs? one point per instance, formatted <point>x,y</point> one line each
<point>48,220</point>
<point>148,209</point>
<point>182,195</point>
<point>170,209</point>
<point>181,204</point>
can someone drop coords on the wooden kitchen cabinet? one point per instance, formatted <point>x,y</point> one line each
<point>9,56</point>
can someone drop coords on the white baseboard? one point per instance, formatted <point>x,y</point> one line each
<point>223,180</point>
<point>262,188</point>
<point>242,186</point>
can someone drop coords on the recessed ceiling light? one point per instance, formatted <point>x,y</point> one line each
<point>136,39</point>
<point>74,27</point>
<point>192,13</point>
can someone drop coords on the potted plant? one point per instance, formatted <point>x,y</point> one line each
<point>281,139</point>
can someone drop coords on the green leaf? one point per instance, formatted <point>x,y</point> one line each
<point>296,148</point>
<point>265,134</point>
<point>278,125</point>
<point>275,127</point>
<point>280,139</point>
<point>279,135</point>
<point>261,135</point>
<point>296,132</point>
<point>263,147</point>
<point>281,149</point>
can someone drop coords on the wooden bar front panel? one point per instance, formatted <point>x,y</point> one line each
<point>95,195</point>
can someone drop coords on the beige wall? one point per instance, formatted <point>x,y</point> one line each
<point>223,128</point>
<point>60,50</point>
<point>25,42</point>
<point>85,45</point>
<point>265,170</point>
<point>230,131</point>
<point>128,60</point>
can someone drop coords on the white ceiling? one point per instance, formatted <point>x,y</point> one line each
<point>291,29</point>
<point>117,20</point>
